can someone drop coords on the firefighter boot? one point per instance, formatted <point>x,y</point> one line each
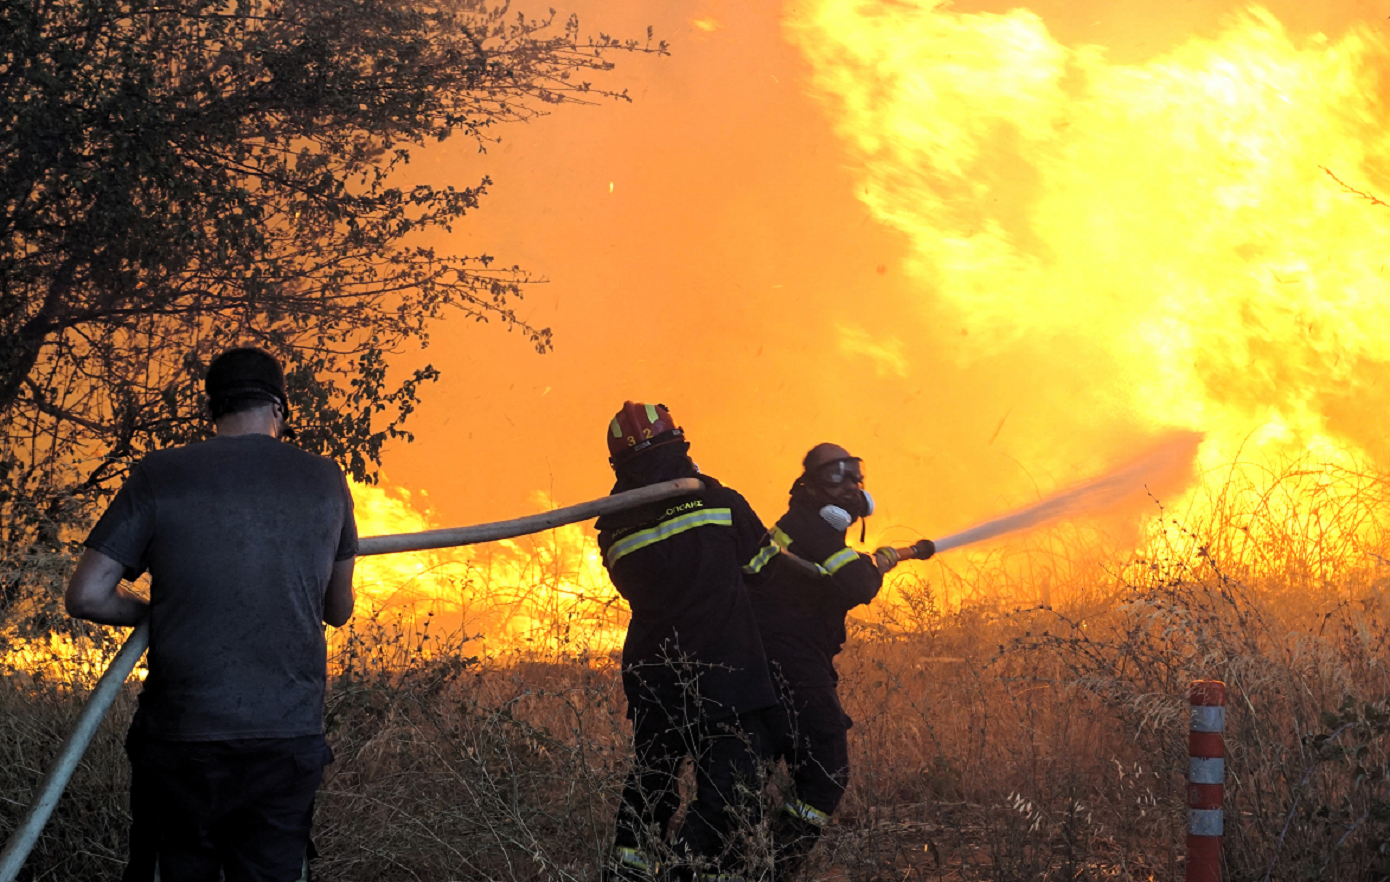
<point>628,865</point>
<point>794,833</point>
<point>689,874</point>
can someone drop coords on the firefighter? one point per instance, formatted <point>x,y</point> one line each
<point>693,667</point>
<point>800,599</point>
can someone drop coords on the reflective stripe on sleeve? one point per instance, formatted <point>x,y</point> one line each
<point>839,560</point>
<point>806,812</point>
<point>767,553</point>
<point>781,538</point>
<point>715,517</point>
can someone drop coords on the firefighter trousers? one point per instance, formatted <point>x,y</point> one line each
<point>727,791</point>
<point>815,747</point>
<point>818,763</point>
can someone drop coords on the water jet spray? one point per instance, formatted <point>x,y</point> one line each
<point>1164,466</point>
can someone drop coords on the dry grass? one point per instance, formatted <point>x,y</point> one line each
<point>994,739</point>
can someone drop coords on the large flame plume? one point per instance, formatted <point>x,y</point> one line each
<point>994,251</point>
<point>1176,224</point>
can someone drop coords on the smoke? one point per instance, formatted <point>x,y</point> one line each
<point>1165,467</point>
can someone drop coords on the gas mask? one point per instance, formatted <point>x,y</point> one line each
<point>841,485</point>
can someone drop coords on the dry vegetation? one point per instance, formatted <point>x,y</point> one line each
<point>995,739</point>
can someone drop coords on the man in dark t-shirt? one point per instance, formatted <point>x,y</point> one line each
<point>249,543</point>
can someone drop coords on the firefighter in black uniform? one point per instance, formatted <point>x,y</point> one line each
<point>693,669</point>
<point>800,599</point>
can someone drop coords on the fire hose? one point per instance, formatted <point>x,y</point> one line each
<point>21,842</point>
<point>1089,496</point>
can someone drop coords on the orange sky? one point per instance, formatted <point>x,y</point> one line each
<point>738,272</point>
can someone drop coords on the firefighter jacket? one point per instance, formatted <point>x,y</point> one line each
<point>692,646</point>
<point>800,614</point>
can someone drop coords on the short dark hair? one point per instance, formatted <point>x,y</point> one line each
<point>239,404</point>
<point>245,378</point>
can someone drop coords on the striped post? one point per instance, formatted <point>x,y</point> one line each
<point>1206,776</point>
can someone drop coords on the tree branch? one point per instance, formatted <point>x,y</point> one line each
<point>1374,200</point>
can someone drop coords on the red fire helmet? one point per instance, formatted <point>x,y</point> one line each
<point>638,428</point>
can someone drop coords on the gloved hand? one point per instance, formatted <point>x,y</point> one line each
<point>923,549</point>
<point>886,558</point>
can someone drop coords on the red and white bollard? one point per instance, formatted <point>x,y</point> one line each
<point>1206,780</point>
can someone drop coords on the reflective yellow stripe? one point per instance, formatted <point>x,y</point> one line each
<point>760,560</point>
<point>631,857</point>
<point>839,560</point>
<point>781,538</point>
<point>717,517</point>
<point>651,414</point>
<point>807,813</point>
<point>616,429</point>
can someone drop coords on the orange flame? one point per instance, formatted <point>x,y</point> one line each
<point>993,253</point>
<point>543,594</point>
<point>1170,223</point>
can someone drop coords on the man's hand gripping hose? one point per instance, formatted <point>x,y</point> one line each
<point>24,836</point>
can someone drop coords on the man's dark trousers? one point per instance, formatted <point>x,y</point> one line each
<point>242,807</point>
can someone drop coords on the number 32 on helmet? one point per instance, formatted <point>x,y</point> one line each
<point>638,428</point>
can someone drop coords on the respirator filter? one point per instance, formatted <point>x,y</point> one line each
<point>867,505</point>
<point>836,517</point>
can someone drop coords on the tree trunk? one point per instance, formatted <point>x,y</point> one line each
<point>19,351</point>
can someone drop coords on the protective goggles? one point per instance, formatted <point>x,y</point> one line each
<point>841,471</point>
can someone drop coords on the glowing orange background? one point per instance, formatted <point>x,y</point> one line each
<point>715,246</point>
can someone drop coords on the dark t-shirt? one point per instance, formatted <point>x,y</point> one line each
<point>240,535</point>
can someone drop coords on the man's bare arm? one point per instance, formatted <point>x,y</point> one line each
<point>95,593</point>
<point>338,599</point>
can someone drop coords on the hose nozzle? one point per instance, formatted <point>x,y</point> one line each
<point>919,550</point>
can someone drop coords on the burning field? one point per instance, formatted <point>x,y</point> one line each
<point>999,251</point>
